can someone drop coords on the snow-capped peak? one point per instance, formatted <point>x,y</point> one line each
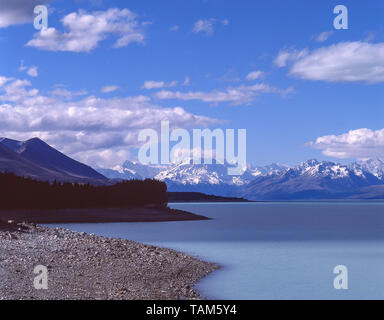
<point>373,166</point>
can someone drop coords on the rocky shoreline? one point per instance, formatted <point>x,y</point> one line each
<point>89,267</point>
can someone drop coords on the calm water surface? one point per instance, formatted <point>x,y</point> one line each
<point>274,250</point>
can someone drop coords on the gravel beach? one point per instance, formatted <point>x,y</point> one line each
<point>82,266</point>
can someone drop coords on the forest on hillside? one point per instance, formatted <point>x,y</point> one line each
<point>25,193</point>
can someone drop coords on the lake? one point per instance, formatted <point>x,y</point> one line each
<point>273,250</point>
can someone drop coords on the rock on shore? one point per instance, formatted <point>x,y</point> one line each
<point>82,266</point>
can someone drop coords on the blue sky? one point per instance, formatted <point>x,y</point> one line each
<point>105,69</point>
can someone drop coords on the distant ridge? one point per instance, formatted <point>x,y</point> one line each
<point>36,159</point>
<point>200,197</point>
<point>309,180</point>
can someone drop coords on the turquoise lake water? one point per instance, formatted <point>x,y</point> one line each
<point>274,250</point>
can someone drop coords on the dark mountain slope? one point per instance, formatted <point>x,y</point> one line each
<point>40,152</point>
<point>34,158</point>
<point>11,161</point>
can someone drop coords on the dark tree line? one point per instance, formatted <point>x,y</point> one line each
<point>25,193</point>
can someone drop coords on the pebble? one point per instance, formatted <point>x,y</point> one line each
<point>82,266</point>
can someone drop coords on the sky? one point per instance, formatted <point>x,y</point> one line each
<point>104,70</point>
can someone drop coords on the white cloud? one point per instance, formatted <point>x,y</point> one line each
<point>343,62</point>
<point>187,81</point>
<point>31,71</point>
<point>15,90</point>
<point>108,89</point>
<point>84,31</point>
<point>360,143</point>
<point>67,94</point>
<point>286,56</point>
<point>3,80</point>
<point>230,76</point>
<point>88,128</point>
<point>175,28</point>
<point>13,12</point>
<point>234,95</point>
<point>324,36</point>
<point>22,66</point>
<point>148,85</point>
<point>109,158</point>
<point>205,26</point>
<point>254,75</point>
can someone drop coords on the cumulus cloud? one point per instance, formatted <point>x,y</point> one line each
<point>3,80</point>
<point>148,85</point>
<point>286,56</point>
<point>108,89</point>
<point>187,81</point>
<point>230,76</point>
<point>89,128</point>
<point>205,26</point>
<point>360,143</point>
<point>343,62</point>
<point>67,94</point>
<point>31,71</point>
<point>22,66</point>
<point>84,31</point>
<point>108,157</point>
<point>13,12</point>
<point>236,95</point>
<point>254,75</point>
<point>324,36</point>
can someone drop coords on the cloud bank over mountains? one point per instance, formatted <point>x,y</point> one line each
<point>85,126</point>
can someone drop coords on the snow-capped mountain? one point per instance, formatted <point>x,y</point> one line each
<point>374,166</point>
<point>207,178</point>
<point>311,179</point>
<point>268,170</point>
<point>187,173</point>
<point>314,168</point>
<point>132,170</point>
<point>212,178</point>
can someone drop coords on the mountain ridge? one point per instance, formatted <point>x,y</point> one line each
<point>311,179</point>
<point>36,159</point>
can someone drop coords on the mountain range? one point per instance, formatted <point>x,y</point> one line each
<point>308,180</point>
<point>311,179</point>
